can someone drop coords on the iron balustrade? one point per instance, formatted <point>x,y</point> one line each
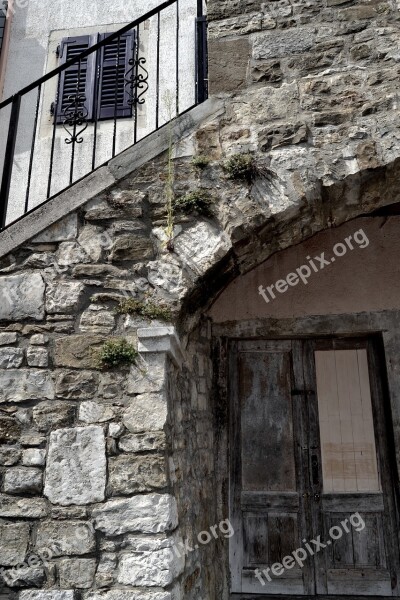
<point>67,143</point>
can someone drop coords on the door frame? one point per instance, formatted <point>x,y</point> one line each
<point>381,328</point>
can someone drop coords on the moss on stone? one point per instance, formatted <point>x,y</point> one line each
<point>150,310</point>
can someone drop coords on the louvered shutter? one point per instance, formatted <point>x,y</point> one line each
<point>77,79</point>
<point>115,68</point>
<point>3,12</point>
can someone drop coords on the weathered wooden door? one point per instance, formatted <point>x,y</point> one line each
<point>311,495</point>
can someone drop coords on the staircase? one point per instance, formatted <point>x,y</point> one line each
<point>66,126</point>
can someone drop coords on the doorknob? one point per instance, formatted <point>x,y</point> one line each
<point>317,497</point>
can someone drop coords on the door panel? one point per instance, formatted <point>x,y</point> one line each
<point>267,422</point>
<point>308,450</point>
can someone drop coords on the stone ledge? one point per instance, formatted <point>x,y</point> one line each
<point>100,180</point>
<point>161,339</point>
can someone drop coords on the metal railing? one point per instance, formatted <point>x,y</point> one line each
<point>52,138</point>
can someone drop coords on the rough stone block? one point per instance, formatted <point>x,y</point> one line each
<point>150,513</point>
<point>157,568</point>
<point>137,594</point>
<point>22,297</point>
<point>64,296</point>
<point>65,229</point>
<point>228,64</point>
<point>37,357</point>
<point>33,457</point>
<point>39,339</point>
<point>47,595</point>
<point>112,384</point>
<point>282,135</point>
<point>97,321</point>
<point>100,270</point>
<point>10,429</point>
<point>17,385</point>
<point>76,466</point>
<point>74,385</point>
<point>148,412</point>
<point>14,538</point>
<point>66,539</point>
<point>9,455</point>
<point>148,376</point>
<point>115,430</point>
<point>130,475</point>
<point>31,438</point>
<point>77,351</point>
<point>275,44</point>
<point>142,442</point>
<point>107,569</point>
<point>25,577</point>
<point>27,508</point>
<point>53,415</point>
<point>202,246</point>
<point>22,480</point>
<point>267,72</point>
<point>131,247</point>
<point>94,412</point>
<point>225,9</point>
<point>8,337</point>
<point>77,572</point>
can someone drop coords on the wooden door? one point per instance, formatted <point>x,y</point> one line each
<point>267,476</point>
<point>309,454</point>
<point>350,471</point>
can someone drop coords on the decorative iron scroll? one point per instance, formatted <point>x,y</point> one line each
<point>135,81</point>
<point>75,114</point>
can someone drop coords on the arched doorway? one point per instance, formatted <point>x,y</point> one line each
<point>309,340</point>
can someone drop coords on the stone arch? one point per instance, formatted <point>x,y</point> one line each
<point>372,191</point>
<point>211,314</point>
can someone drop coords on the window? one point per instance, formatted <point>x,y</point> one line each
<point>97,86</point>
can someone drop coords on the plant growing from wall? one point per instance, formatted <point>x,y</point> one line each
<point>149,310</point>
<point>169,185</point>
<point>241,166</point>
<point>201,161</point>
<point>197,201</point>
<point>116,353</point>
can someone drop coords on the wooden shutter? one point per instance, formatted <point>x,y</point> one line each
<point>113,96</point>
<point>2,26</point>
<point>78,78</point>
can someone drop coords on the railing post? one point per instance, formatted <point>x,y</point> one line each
<point>9,159</point>
<point>201,55</point>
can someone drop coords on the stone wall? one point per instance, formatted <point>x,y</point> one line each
<point>104,473</point>
<point>96,464</point>
<point>312,86</point>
